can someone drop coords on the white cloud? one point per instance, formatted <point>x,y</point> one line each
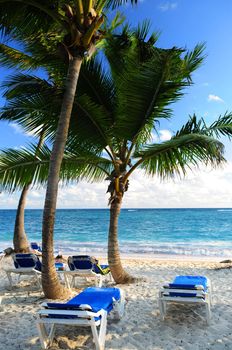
<point>201,188</point>
<point>17,128</point>
<point>214,98</point>
<point>165,135</point>
<point>167,6</point>
<point>162,135</point>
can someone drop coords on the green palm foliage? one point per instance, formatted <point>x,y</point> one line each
<point>115,112</point>
<point>19,167</point>
<point>75,27</point>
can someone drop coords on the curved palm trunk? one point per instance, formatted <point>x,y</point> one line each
<point>117,271</point>
<point>21,244</point>
<point>51,285</point>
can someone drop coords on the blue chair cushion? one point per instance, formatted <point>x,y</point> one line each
<point>27,260</point>
<point>97,298</point>
<point>189,283</point>
<point>35,246</point>
<point>85,262</point>
<point>80,262</point>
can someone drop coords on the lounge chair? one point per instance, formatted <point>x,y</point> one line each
<point>186,289</point>
<point>84,266</point>
<point>89,308</point>
<point>36,247</point>
<point>25,264</point>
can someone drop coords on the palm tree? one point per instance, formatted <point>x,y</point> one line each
<point>119,111</point>
<point>75,27</point>
<point>18,88</point>
<point>140,92</point>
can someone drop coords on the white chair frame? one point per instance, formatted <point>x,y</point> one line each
<point>201,297</point>
<point>85,317</point>
<point>23,271</point>
<point>81,274</point>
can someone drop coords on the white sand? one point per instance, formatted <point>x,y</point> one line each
<point>141,327</point>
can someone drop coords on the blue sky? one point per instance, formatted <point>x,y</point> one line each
<point>181,23</point>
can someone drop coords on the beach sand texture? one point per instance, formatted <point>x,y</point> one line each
<point>141,327</point>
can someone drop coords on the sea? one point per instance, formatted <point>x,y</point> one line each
<point>154,232</point>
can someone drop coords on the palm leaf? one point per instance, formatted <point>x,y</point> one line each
<point>10,58</point>
<point>20,167</point>
<point>183,152</point>
<point>222,126</point>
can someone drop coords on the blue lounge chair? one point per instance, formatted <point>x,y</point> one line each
<point>89,308</point>
<point>25,264</point>
<point>186,289</point>
<point>84,266</point>
<point>36,247</point>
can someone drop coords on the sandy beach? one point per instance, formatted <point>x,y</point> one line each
<point>141,328</point>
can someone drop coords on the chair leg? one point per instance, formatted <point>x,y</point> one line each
<point>52,333</point>
<point>9,279</point>
<point>102,331</point>
<point>95,334</point>
<point>38,280</point>
<point>161,309</point>
<point>111,277</point>
<point>99,281</point>
<point>66,280</point>
<point>43,336</point>
<point>72,282</point>
<point>208,312</point>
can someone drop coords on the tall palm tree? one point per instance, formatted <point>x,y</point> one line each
<point>76,27</point>
<point>120,110</point>
<point>17,88</point>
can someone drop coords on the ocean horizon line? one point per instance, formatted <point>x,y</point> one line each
<point>131,208</point>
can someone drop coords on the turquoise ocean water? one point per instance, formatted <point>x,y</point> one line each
<point>190,232</point>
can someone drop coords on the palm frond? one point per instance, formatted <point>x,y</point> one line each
<point>147,91</point>
<point>90,123</point>
<point>193,60</point>
<point>222,126</point>
<point>11,58</point>
<point>96,82</point>
<point>183,152</point>
<point>20,167</point>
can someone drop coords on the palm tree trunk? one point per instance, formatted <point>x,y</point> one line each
<point>50,282</point>
<point>117,271</point>
<point>21,244</point>
<point>20,241</point>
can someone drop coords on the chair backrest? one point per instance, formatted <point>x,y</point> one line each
<point>80,262</point>
<point>35,246</point>
<point>27,261</point>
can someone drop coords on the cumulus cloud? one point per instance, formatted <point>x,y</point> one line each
<point>17,129</point>
<point>202,188</point>
<point>161,135</point>
<point>167,6</point>
<point>214,98</point>
<point>165,135</point>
